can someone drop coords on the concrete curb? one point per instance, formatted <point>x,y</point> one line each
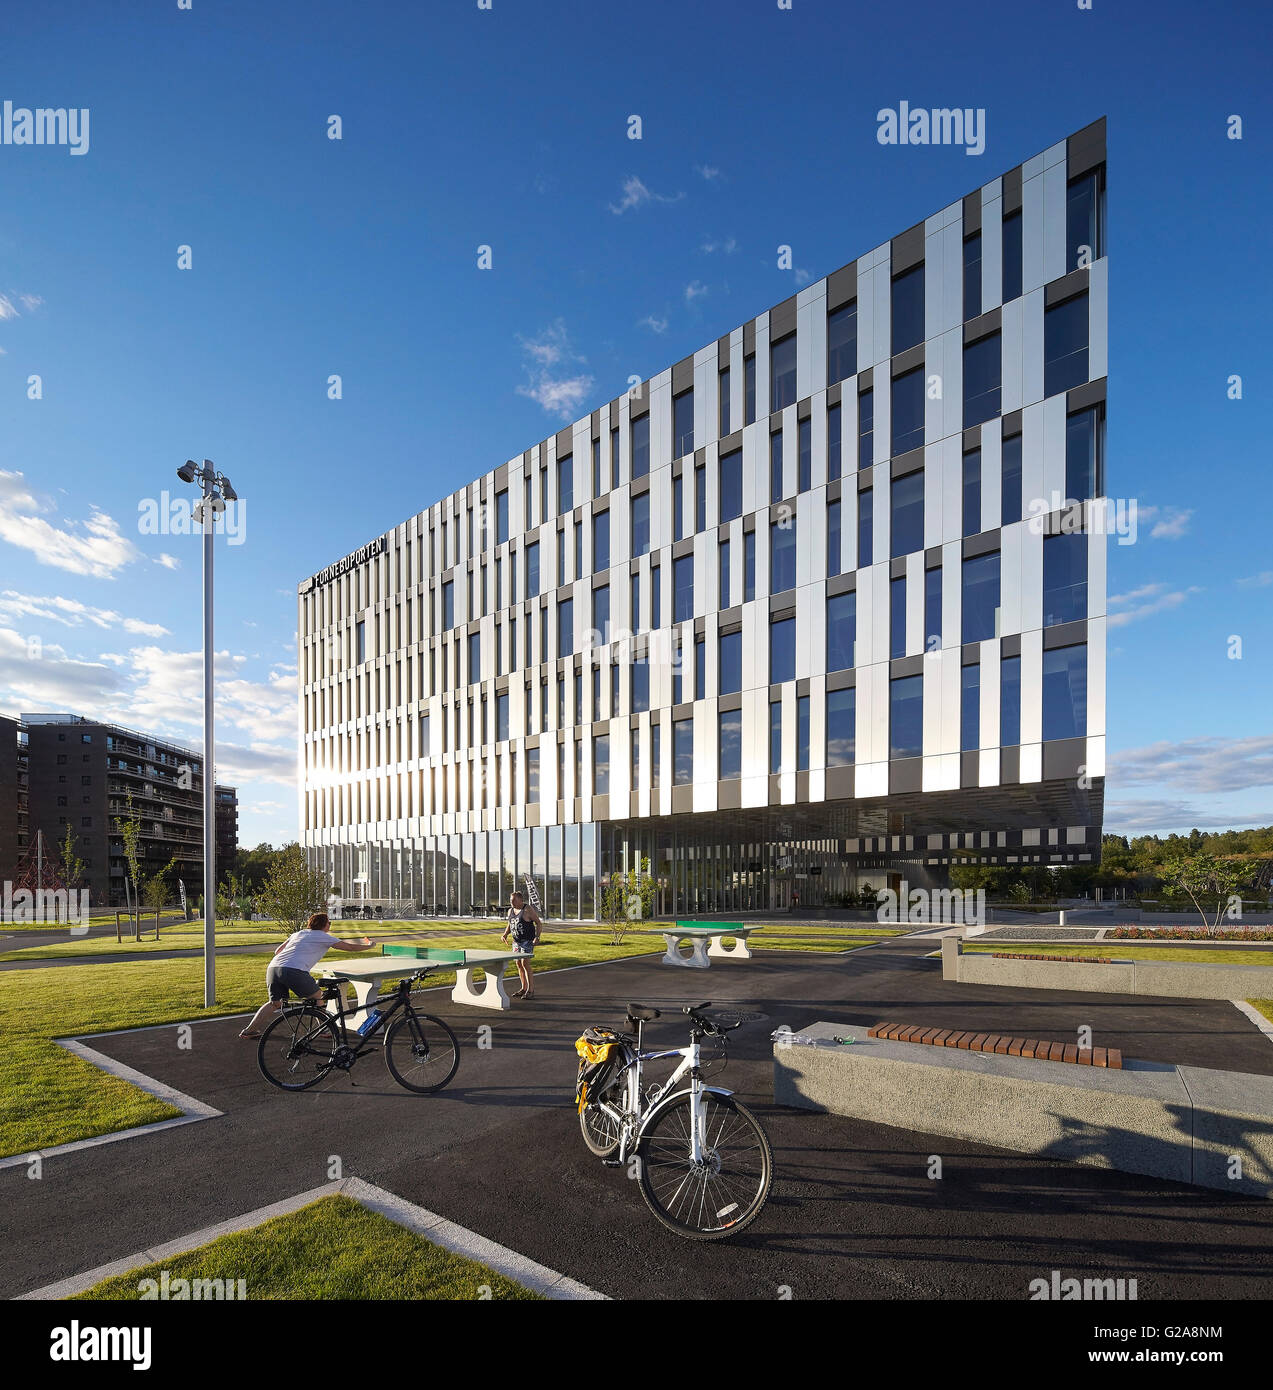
<point>436,1229</point>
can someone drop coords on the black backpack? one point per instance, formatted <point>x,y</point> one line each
<point>600,1055</point>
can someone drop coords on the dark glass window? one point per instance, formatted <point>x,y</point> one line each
<point>731,485</point>
<point>972,492</point>
<point>724,574</point>
<point>425,743</point>
<point>640,686</point>
<point>782,651</point>
<point>907,523</point>
<point>782,556</point>
<point>601,765</point>
<point>866,429</point>
<point>804,441</point>
<point>842,343</point>
<point>802,733</point>
<point>897,617</point>
<point>683,424</point>
<point>775,467</point>
<point>634,601</point>
<point>565,483</point>
<point>749,389</point>
<point>532,775</point>
<point>730,743</point>
<point>1011,257</point>
<point>678,507</point>
<point>1065,345</point>
<point>1010,701</point>
<point>906,717</point>
<point>1083,229</point>
<point>841,631</point>
<point>908,411</point>
<point>908,309</point>
<point>866,528</point>
<point>448,605</point>
<point>932,609</point>
<point>683,589</point>
<point>834,442</point>
<point>982,379</point>
<point>656,752</point>
<point>700,498</point>
<point>1065,692</point>
<point>597,489</point>
<point>565,626</point>
<point>682,751</point>
<point>641,446</point>
<point>360,632</point>
<point>501,718</point>
<point>730,660</point>
<point>700,668</point>
<point>601,614</point>
<point>972,275</point>
<point>475,657</point>
<point>532,570</point>
<point>1064,578</point>
<point>833,539</point>
<point>980,597</point>
<point>1010,505</point>
<point>1083,455</point>
<point>723,381</point>
<point>970,708</point>
<point>775,736</point>
<point>501,517</point>
<point>841,727</point>
<point>656,596</point>
<point>641,524</point>
<point>749,566</point>
<point>782,372</point>
<point>614,458</point>
<point>600,542</point>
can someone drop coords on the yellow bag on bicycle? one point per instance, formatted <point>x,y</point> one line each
<point>599,1054</point>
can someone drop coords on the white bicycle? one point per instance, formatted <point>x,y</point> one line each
<point>703,1159</point>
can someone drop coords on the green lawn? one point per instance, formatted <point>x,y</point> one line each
<point>1131,950</point>
<point>333,1249</point>
<point>1263,1006</point>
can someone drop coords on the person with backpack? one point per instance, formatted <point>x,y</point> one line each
<point>524,926</point>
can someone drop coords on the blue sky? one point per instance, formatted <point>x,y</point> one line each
<point>611,257</point>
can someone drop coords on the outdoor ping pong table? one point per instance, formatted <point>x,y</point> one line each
<point>366,974</point>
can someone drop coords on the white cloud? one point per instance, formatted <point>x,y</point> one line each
<point>47,679</point>
<point>1169,523</point>
<point>708,171</point>
<point>30,302</point>
<point>552,384</point>
<point>1156,817</point>
<point>710,246</point>
<point>169,562</point>
<point>54,608</point>
<point>1257,581</point>
<point>94,547</point>
<point>655,325</point>
<point>636,194</point>
<point>694,290</point>
<point>7,311</point>
<point>802,277</point>
<point>1147,600</point>
<point>1204,764</point>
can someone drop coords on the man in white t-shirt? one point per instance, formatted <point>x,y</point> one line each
<point>289,971</point>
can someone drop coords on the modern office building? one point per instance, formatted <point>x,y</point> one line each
<point>68,770</point>
<point>821,605</point>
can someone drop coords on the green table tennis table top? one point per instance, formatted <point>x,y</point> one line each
<point>453,955</point>
<point>703,928</point>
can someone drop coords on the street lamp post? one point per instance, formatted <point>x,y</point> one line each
<point>216,492</point>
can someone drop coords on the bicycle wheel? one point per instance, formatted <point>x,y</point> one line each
<point>298,1049</point>
<point>600,1130</point>
<point>724,1193</point>
<point>421,1052</point>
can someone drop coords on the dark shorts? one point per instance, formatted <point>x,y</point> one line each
<point>524,948</point>
<point>282,978</point>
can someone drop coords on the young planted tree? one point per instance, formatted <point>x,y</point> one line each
<point>72,864</point>
<point>627,898</point>
<point>292,889</point>
<point>1205,881</point>
<point>129,830</point>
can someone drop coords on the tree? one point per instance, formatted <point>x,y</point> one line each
<point>627,898</point>
<point>229,908</point>
<point>130,832</point>
<point>72,864</point>
<point>1202,876</point>
<point>155,890</point>
<point>293,889</point>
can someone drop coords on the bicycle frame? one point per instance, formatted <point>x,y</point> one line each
<point>638,1113</point>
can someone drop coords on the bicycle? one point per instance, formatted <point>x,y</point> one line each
<point>306,1044</point>
<point>703,1159</point>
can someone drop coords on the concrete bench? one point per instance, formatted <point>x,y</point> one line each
<point>1188,1124</point>
<point>706,943</point>
<point>971,1040</point>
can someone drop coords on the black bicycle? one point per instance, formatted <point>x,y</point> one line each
<point>306,1044</point>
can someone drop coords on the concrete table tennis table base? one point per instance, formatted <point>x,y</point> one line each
<point>706,943</point>
<point>366,976</point>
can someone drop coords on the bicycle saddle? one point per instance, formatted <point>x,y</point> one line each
<point>642,1013</point>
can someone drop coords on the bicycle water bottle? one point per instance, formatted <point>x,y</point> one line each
<point>369,1023</point>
